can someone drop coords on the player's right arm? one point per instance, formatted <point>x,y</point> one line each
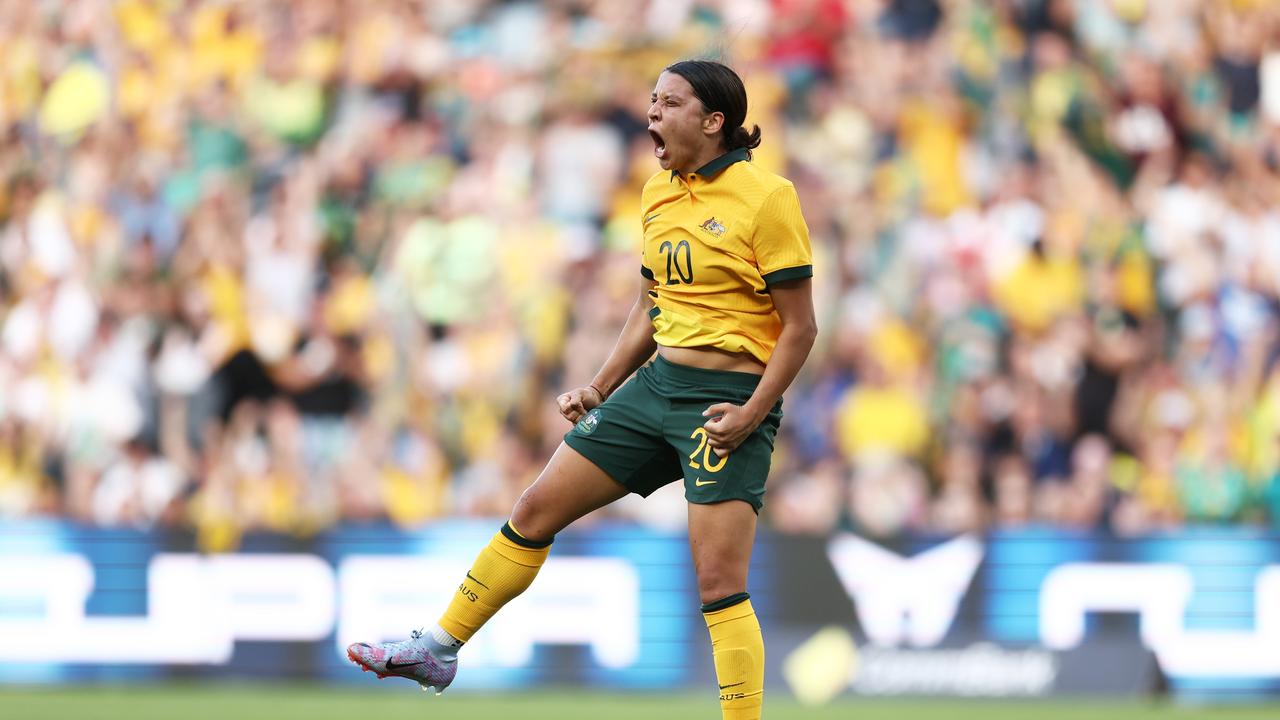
<point>634,347</point>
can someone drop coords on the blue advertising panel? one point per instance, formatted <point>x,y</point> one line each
<point>1204,601</point>
<point>614,607</point>
<point>1028,613</point>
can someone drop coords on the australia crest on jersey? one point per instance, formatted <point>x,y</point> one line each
<point>713,226</point>
<point>588,424</point>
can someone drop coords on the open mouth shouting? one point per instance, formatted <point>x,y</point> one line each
<point>659,144</point>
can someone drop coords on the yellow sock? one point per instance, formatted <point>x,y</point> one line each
<point>738,650</point>
<point>502,571</point>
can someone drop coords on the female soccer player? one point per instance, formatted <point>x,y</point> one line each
<point>725,302</point>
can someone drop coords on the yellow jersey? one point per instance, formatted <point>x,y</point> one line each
<point>715,241</point>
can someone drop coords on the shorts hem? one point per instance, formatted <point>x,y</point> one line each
<point>756,503</point>
<point>584,448</point>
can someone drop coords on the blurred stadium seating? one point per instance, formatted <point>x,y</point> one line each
<point>272,266</point>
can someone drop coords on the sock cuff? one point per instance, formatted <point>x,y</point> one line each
<point>456,629</point>
<point>445,639</point>
<point>518,550</point>
<point>725,603</point>
<point>509,532</point>
<point>738,612</point>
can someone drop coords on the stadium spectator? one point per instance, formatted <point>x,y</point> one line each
<point>277,266</point>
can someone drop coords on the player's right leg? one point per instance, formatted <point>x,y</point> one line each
<point>569,487</point>
<point>618,447</point>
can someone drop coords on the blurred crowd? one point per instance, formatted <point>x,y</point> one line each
<point>276,266</point>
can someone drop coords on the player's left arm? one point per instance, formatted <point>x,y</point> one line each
<point>731,424</point>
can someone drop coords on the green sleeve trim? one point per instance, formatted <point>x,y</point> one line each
<point>521,540</point>
<point>646,272</point>
<point>653,312</point>
<point>726,602</point>
<point>791,273</point>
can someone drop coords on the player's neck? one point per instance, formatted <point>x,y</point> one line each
<point>706,155</point>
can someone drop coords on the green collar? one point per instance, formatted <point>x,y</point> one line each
<point>716,166</point>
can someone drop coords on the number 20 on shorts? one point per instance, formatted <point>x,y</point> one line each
<point>704,447</point>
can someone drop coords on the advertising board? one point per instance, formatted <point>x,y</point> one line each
<point>1014,614</point>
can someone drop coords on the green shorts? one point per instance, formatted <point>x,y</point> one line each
<point>650,432</point>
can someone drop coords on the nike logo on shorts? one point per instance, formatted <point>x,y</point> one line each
<point>700,482</point>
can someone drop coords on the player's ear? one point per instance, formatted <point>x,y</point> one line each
<point>712,123</point>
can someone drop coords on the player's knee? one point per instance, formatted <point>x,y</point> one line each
<point>532,519</point>
<point>716,584</point>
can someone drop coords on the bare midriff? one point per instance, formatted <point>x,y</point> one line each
<point>712,359</point>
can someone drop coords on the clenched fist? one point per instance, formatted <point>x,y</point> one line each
<point>576,403</point>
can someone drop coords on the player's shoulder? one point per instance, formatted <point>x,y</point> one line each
<point>660,183</point>
<point>658,189</point>
<point>756,184</point>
